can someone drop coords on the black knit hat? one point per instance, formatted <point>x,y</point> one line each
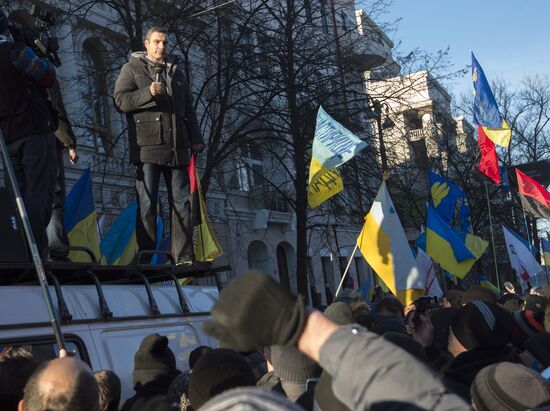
<point>339,313</point>
<point>527,323</point>
<point>292,365</point>
<point>196,354</point>
<point>216,371</point>
<point>507,386</point>
<point>479,293</point>
<point>539,346</point>
<point>4,22</point>
<point>154,359</point>
<point>482,325</point>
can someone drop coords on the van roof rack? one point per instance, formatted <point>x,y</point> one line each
<point>93,273</point>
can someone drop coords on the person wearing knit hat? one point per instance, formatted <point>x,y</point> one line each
<point>250,399</point>
<point>526,324</point>
<point>537,304</point>
<point>339,313</point>
<point>196,354</point>
<point>216,371</point>
<point>479,293</point>
<point>154,371</point>
<point>478,337</point>
<point>293,368</point>
<point>509,387</point>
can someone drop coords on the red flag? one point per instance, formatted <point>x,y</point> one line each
<point>531,188</point>
<point>196,218</point>
<point>488,165</point>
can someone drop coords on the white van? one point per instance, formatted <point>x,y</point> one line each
<point>107,334</point>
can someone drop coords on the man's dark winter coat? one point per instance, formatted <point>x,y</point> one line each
<point>163,128</point>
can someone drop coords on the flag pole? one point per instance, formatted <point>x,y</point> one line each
<point>529,240</point>
<point>492,235</point>
<point>346,270</point>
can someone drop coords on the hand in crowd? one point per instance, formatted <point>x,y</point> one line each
<point>255,311</point>
<point>421,329</point>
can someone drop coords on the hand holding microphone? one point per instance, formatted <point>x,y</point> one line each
<point>156,87</point>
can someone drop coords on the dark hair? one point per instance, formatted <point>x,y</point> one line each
<point>155,29</point>
<point>109,390</point>
<point>82,395</point>
<point>390,304</point>
<point>16,366</point>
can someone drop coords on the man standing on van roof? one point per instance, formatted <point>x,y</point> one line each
<point>162,126</point>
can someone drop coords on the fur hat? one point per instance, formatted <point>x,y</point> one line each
<point>154,359</point>
<point>216,371</point>
<point>482,325</point>
<point>507,386</point>
<point>339,313</point>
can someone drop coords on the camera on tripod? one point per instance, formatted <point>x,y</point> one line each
<point>32,28</point>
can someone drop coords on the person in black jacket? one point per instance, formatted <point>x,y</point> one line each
<point>162,125</point>
<point>27,127</point>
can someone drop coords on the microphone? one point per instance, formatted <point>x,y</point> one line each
<point>159,69</point>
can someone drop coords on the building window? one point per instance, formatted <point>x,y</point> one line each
<point>94,89</point>
<point>249,168</point>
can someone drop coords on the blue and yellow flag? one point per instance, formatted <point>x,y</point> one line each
<point>444,195</point>
<point>484,282</point>
<point>119,244</point>
<point>486,113</point>
<point>446,248</point>
<point>465,220</point>
<point>333,145</point>
<point>81,218</point>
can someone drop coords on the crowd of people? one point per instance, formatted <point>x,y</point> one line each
<point>472,350</point>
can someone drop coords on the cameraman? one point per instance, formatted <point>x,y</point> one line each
<point>27,128</point>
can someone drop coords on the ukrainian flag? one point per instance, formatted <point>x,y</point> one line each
<point>486,113</point>
<point>448,249</point>
<point>119,244</point>
<point>444,195</point>
<point>333,145</point>
<point>81,218</point>
<point>385,247</point>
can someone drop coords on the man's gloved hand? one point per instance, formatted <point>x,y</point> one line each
<point>255,311</point>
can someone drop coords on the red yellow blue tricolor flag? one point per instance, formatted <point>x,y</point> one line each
<point>486,113</point>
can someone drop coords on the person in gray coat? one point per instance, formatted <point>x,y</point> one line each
<point>368,372</point>
<point>162,127</point>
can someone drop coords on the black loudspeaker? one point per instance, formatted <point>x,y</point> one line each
<point>13,248</point>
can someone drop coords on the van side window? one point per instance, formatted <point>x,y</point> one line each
<point>46,349</point>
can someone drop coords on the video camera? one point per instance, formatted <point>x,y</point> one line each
<point>32,28</point>
<point>422,304</point>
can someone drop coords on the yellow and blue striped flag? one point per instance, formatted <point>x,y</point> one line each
<point>119,244</point>
<point>81,218</point>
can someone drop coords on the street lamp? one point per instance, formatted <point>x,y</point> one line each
<point>376,113</point>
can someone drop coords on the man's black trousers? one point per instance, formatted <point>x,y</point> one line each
<point>177,184</point>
